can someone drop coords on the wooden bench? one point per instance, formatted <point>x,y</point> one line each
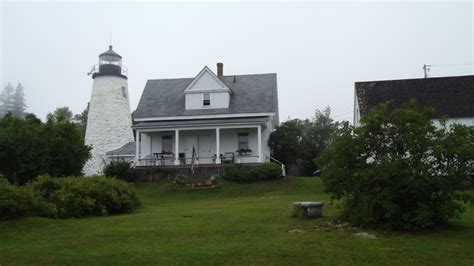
<point>308,209</point>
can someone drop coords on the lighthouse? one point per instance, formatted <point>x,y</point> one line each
<point>109,119</point>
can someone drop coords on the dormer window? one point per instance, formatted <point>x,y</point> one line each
<point>207,91</point>
<point>206,99</point>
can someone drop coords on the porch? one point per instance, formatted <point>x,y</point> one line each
<point>201,146</point>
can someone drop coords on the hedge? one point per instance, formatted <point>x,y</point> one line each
<point>67,197</point>
<point>248,174</point>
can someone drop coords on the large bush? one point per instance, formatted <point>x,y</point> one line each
<point>397,170</point>
<point>81,197</point>
<point>67,197</point>
<point>15,201</point>
<point>29,147</point>
<point>247,174</point>
<point>121,169</point>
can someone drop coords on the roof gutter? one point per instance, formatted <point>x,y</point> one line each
<point>201,126</point>
<point>190,117</point>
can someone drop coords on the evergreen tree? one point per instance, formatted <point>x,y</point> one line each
<point>19,105</point>
<point>7,100</point>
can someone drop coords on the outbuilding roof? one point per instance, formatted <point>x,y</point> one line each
<point>451,96</point>
<point>250,94</point>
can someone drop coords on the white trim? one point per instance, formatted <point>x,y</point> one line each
<point>165,118</point>
<point>206,91</point>
<point>137,146</point>
<point>356,114</point>
<point>200,74</point>
<point>176,147</point>
<point>218,145</point>
<point>259,143</point>
<point>151,129</point>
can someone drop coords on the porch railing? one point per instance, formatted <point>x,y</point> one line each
<point>168,161</point>
<point>283,170</point>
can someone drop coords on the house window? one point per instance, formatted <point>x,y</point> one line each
<point>206,100</point>
<point>243,141</point>
<point>167,144</point>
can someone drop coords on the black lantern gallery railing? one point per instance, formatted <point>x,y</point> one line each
<point>108,70</point>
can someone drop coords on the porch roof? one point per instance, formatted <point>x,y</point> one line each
<point>127,149</point>
<point>203,123</point>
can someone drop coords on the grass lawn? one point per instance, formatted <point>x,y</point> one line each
<point>231,224</point>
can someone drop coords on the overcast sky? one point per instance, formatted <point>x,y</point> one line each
<point>318,50</point>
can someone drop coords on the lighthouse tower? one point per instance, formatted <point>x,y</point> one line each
<point>109,120</point>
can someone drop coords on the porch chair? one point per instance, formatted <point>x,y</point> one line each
<point>228,157</point>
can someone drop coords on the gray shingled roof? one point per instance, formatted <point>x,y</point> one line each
<point>451,96</point>
<point>126,149</point>
<point>251,94</point>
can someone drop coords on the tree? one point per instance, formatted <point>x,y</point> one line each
<point>29,147</point>
<point>60,115</point>
<point>286,141</point>
<point>6,100</point>
<point>318,131</point>
<point>19,105</point>
<point>82,117</point>
<point>297,142</point>
<point>21,156</point>
<point>397,170</point>
<point>64,146</point>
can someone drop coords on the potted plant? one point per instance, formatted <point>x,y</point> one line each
<point>243,151</point>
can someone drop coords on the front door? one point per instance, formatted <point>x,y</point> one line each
<point>204,150</point>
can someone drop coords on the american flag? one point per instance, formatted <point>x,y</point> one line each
<point>193,159</point>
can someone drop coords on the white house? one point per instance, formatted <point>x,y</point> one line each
<point>223,118</point>
<point>450,96</point>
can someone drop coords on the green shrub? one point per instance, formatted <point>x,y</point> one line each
<point>239,173</point>
<point>120,169</point>
<point>15,202</point>
<point>397,170</point>
<point>248,174</point>
<point>81,197</point>
<point>267,171</point>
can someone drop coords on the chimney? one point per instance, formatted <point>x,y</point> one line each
<point>220,69</point>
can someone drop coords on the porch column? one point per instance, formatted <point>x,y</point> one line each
<point>218,145</point>
<point>259,144</point>
<point>176,147</point>
<point>137,147</point>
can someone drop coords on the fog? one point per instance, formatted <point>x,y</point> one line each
<point>318,50</point>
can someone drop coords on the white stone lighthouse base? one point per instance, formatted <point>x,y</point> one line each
<point>109,121</point>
